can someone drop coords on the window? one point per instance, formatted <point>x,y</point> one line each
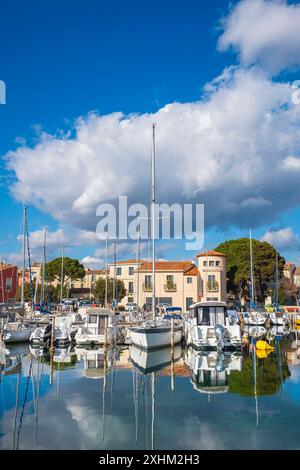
<point>188,302</point>
<point>204,263</point>
<point>211,263</point>
<point>148,281</point>
<point>93,319</point>
<point>130,300</point>
<point>130,287</point>
<point>189,280</point>
<point>170,279</point>
<point>93,277</point>
<point>8,284</point>
<point>82,285</point>
<point>211,278</point>
<point>130,270</point>
<point>217,263</point>
<point>119,272</point>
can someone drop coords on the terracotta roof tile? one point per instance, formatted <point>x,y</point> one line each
<point>181,266</point>
<point>210,253</point>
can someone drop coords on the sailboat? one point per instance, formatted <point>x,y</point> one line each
<point>158,332</point>
<point>20,331</point>
<point>253,317</point>
<point>277,317</point>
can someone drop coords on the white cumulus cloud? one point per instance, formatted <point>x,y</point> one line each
<point>264,32</point>
<point>283,239</point>
<point>226,151</point>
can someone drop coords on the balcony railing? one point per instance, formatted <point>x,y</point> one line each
<point>147,287</point>
<point>212,286</point>
<point>170,287</point>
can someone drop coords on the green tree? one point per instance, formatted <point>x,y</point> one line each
<point>238,265</point>
<point>73,269</point>
<point>99,290</point>
<point>269,374</point>
<point>50,293</point>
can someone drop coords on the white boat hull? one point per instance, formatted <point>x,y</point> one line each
<point>156,337</point>
<point>204,337</point>
<point>89,339</point>
<point>18,336</point>
<point>149,361</point>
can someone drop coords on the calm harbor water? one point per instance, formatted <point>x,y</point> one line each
<point>128,399</point>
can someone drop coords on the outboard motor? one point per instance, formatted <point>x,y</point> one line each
<point>221,335</point>
<point>220,365</point>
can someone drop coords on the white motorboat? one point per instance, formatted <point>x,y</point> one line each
<point>156,335</point>
<point>255,331</point>
<point>209,326</point>
<point>150,361</point>
<point>41,335</point>
<point>254,318</point>
<point>278,318</point>
<point>99,328</point>
<point>210,371</point>
<point>17,332</point>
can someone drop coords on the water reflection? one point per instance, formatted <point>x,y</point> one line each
<point>127,398</point>
<point>210,371</point>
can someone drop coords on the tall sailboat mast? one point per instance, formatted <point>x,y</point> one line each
<point>276,284</point>
<point>44,268</point>
<point>153,218</point>
<point>251,274</point>
<point>106,267</point>
<point>24,254</point>
<point>138,266</point>
<point>62,273</point>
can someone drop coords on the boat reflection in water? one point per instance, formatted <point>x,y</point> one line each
<point>97,361</point>
<point>210,371</point>
<point>154,360</point>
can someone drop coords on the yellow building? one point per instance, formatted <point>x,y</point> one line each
<point>212,266</point>
<point>178,283</point>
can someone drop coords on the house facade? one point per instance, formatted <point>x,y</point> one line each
<point>178,283</point>
<point>8,282</point>
<point>212,269</point>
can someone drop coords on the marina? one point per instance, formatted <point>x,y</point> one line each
<point>128,398</point>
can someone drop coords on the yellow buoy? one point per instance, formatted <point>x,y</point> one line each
<point>263,353</point>
<point>263,345</point>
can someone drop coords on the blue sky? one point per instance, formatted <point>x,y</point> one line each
<point>63,60</point>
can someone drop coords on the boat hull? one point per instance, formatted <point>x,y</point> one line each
<point>154,338</point>
<point>18,336</point>
<point>204,337</point>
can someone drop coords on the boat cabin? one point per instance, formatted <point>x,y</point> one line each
<point>208,313</point>
<point>97,319</point>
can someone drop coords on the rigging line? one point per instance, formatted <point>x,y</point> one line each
<point>29,259</point>
<point>38,399</point>
<point>24,404</point>
<point>16,407</point>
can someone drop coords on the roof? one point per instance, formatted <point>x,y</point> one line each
<point>210,253</point>
<point>128,261</point>
<point>7,266</point>
<point>288,265</point>
<point>186,267</point>
<point>95,271</point>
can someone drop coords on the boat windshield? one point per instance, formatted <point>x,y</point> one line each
<point>210,316</point>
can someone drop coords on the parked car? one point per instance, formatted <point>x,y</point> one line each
<point>84,303</point>
<point>130,306</point>
<point>163,306</point>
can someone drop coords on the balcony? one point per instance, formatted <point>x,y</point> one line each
<point>147,287</point>
<point>170,287</point>
<point>212,286</point>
